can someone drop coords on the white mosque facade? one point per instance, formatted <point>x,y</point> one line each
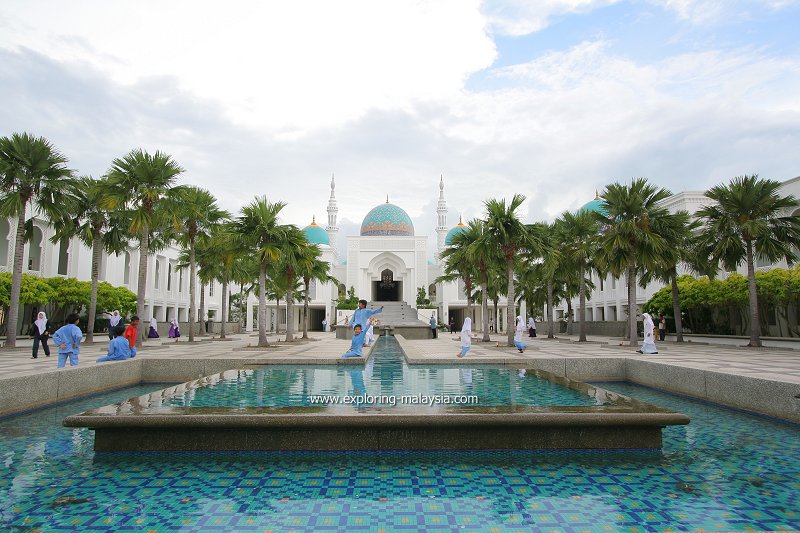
<point>387,262</point>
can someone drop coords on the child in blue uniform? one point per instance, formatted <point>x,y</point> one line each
<point>68,339</point>
<point>118,349</point>
<point>356,347</point>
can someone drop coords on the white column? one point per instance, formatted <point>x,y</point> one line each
<point>249,317</point>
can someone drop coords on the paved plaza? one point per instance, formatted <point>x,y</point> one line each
<point>769,363</point>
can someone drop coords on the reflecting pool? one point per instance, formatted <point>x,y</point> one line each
<point>726,471</point>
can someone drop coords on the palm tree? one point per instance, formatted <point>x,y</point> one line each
<point>680,231</point>
<point>311,267</point>
<point>293,246</point>
<point>143,181</point>
<point>549,267</point>
<point>479,245</point>
<point>750,220</point>
<point>507,232</point>
<point>459,263</point>
<point>98,226</point>
<point>579,235</point>
<point>629,241</point>
<point>196,213</point>
<point>258,228</point>
<point>32,172</point>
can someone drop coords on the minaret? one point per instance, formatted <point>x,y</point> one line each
<point>441,227</point>
<point>332,211</point>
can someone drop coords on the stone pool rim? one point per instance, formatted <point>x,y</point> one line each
<point>135,426</point>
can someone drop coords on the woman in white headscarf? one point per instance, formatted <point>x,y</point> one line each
<point>174,329</point>
<point>152,333</point>
<point>518,335</point>
<point>649,345</point>
<point>114,321</point>
<point>466,337</point>
<point>41,332</point>
<point>531,326</point>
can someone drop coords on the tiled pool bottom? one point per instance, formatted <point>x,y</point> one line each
<point>725,471</point>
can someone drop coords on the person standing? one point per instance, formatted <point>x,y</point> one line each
<point>152,333</point>
<point>132,333</point>
<point>362,315</point>
<point>452,325</point>
<point>41,332</point>
<point>434,330</point>
<point>370,336</point>
<point>466,337</point>
<point>174,329</point>
<point>518,335</point>
<point>325,323</point>
<point>662,327</point>
<point>68,339</point>
<point>491,325</point>
<point>531,326</point>
<point>114,321</point>
<point>649,345</point>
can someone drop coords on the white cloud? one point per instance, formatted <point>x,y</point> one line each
<point>705,11</point>
<point>282,67</point>
<point>522,17</point>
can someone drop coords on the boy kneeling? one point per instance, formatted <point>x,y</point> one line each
<point>118,349</point>
<point>357,344</point>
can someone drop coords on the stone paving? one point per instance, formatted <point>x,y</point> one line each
<point>771,364</point>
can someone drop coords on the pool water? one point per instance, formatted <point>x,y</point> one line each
<point>386,380</point>
<point>726,471</point>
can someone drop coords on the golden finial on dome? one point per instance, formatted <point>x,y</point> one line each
<point>596,195</point>
<point>387,198</point>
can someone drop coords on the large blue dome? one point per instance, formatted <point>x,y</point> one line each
<point>387,219</point>
<point>315,234</point>
<point>595,206</point>
<point>448,240</point>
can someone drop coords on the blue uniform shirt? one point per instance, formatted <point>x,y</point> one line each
<point>119,349</point>
<point>361,316</point>
<point>356,347</point>
<point>69,335</point>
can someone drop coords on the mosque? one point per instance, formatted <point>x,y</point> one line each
<point>386,264</point>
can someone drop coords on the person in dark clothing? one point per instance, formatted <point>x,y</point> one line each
<point>41,333</point>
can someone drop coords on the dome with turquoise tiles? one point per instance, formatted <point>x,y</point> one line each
<point>315,234</point>
<point>387,219</point>
<point>595,206</point>
<point>448,239</point>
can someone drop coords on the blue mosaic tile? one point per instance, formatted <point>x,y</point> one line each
<point>726,471</point>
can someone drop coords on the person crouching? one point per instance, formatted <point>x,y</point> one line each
<point>119,348</point>
<point>356,347</point>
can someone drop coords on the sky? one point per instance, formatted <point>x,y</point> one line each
<point>552,99</point>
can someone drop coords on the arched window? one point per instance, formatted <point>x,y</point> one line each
<point>5,228</point>
<point>156,281</point>
<point>180,279</point>
<point>126,274</point>
<point>169,277</point>
<point>35,250</point>
<point>312,290</point>
<point>211,289</point>
<point>63,257</point>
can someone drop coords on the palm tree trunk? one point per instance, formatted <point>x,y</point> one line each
<point>96,251</point>
<point>16,281</point>
<point>485,310</point>
<point>289,306</point>
<point>192,283</point>
<point>676,306</point>
<point>202,317</point>
<point>305,310</point>
<point>262,305</point>
<point>141,287</point>
<point>510,306</point>
<point>224,308</point>
<point>582,307</point>
<point>550,334</point>
<point>755,325</point>
<point>634,339</point>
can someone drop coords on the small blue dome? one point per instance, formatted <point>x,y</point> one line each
<point>448,240</point>
<point>315,234</point>
<point>595,206</point>
<point>387,219</point>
